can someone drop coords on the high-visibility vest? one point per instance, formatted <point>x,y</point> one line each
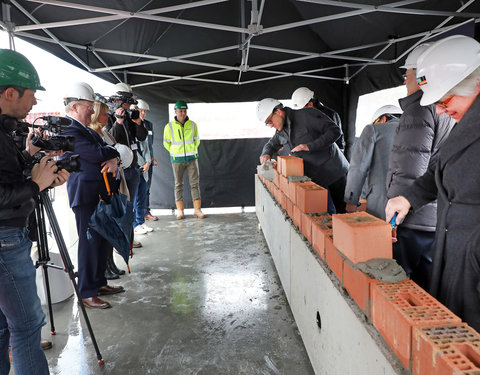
<point>181,141</point>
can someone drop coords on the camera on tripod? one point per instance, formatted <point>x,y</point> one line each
<point>54,124</point>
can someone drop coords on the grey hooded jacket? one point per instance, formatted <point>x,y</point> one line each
<point>417,140</point>
<point>369,163</point>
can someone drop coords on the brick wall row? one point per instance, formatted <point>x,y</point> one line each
<point>425,336</point>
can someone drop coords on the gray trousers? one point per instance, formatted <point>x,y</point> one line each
<point>193,177</point>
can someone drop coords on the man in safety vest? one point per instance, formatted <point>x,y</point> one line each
<point>180,138</point>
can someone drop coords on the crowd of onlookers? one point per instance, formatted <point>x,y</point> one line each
<point>415,164</point>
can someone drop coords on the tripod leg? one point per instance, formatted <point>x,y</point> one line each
<point>67,262</point>
<point>49,298</point>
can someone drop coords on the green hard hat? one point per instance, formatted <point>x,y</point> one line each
<point>180,104</point>
<point>16,70</point>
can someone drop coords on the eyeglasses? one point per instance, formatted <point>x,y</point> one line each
<point>444,103</point>
<point>89,107</point>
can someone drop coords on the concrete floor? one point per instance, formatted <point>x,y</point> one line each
<point>203,298</point>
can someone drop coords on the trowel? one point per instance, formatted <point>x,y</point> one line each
<point>266,170</point>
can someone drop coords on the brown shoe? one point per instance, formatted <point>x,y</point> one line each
<point>95,303</point>
<point>136,244</point>
<point>45,344</point>
<point>151,217</point>
<point>108,289</point>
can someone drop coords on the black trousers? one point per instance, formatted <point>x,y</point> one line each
<point>413,251</point>
<point>337,192</point>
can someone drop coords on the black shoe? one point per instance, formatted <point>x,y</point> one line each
<point>109,275</point>
<point>113,267</point>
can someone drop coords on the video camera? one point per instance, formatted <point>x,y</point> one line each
<point>124,97</point>
<point>54,125</point>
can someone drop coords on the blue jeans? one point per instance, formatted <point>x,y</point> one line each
<point>140,203</point>
<point>149,184</point>
<point>21,315</point>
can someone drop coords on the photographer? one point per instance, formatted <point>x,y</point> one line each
<point>127,132</point>
<point>84,189</point>
<point>21,315</point>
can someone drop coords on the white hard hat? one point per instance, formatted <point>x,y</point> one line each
<point>445,64</point>
<point>411,60</point>
<point>301,97</point>
<point>265,108</point>
<point>388,109</point>
<point>142,104</point>
<point>126,155</point>
<point>79,91</point>
<point>123,89</point>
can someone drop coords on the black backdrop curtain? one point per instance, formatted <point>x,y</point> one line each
<point>227,168</point>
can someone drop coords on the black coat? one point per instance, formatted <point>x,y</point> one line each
<point>324,163</point>
<point>16,192</point>
<point>455,183</point>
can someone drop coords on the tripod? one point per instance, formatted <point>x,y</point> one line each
<point>44,205</point>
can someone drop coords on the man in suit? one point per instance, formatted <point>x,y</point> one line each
<point>84,189</point>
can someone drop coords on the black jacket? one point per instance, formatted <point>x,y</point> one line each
<point>127,134</point>
<point>324,163</point>
<point>16,192</point>
<point>416,146</point>
<point>453,181</point>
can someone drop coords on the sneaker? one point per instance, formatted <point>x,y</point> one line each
<point>147,228</point>
<point>136,244</point>
<point>139,229</point>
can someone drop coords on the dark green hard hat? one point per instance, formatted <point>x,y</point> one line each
<point>180,104</point>
<point>16,70</point>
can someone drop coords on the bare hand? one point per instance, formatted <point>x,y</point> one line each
<point>398,204</point>
<point>61,177</point>
<point>121,112</point>
<point>145,167</point>
<point>264,158</point>
<point>302,147</point>
<point>110,166</point>
<point>29,147</point>
<point>351,208</point>
<point>43,173</point>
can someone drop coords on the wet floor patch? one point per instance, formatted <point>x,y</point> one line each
<point>203,298</point>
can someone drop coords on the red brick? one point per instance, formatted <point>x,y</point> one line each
<point>283,182</point>
<point>398,307</point>
<point>292,191</point>
<point>280,164</point>
<point>276,180</point>
<point>292,166</point>
<point>283,203</point>
<point>321,229</point>
<point>297,217</point>
<point>333,257</point>
<point>290,208</point>
<point>363,205</point>
<point>311,198</point>
<point>361,236</point>
<point>435,350</point>
<point>358,285</point>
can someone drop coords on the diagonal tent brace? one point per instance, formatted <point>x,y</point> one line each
<point>246,46</point>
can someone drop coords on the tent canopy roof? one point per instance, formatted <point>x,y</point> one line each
<point>237,50</point>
